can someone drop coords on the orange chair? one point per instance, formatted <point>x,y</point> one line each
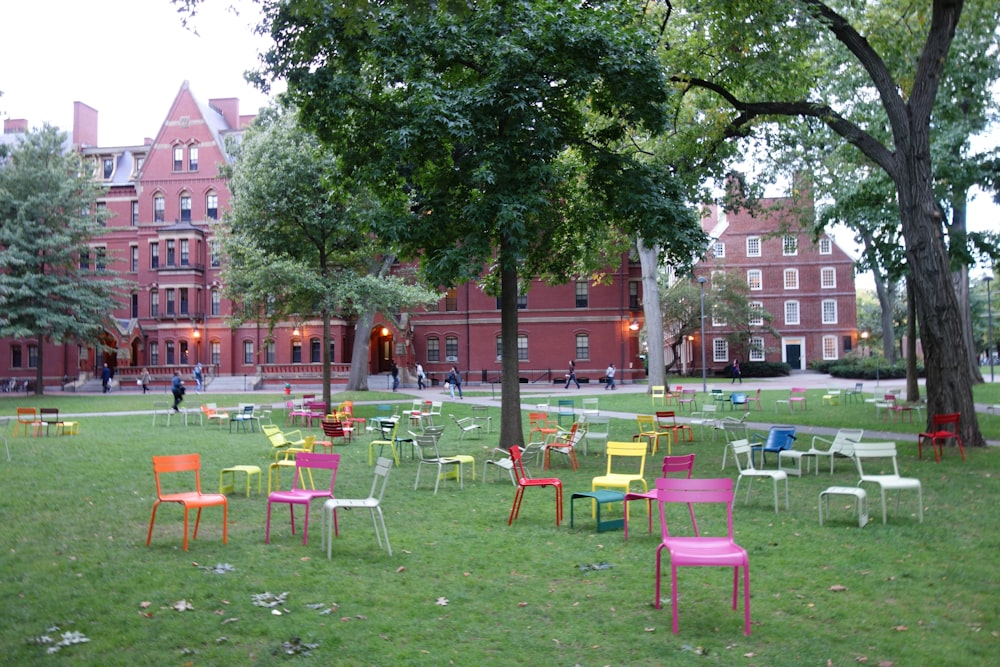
<point>666,420</point>
<point>27,418</point>
<point>945,428</point>
<point>564,444</point>
<point>189,499</point>
<point>538,422</point>
<point>523,482</point>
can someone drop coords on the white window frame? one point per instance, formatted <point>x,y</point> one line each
<point>830,350</point>
<point>756,309</point>
<point>753,246</point>
<point>789,245</point>
<point>790,279</point>
<point>829,310</point>
<point>757,351</point>
<point>828,277</point>
<point>826,246</point>
<point>720,350</point>
<point>755,280</point>
<point>792,313</point>
<point>719,249</point>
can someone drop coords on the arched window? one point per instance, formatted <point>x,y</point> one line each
<point>159,208</point>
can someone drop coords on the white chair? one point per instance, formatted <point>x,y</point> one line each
<point>467,424</point>
<point>500,458</point>
<point>590,407</point>
<point>707,417</point>
<point>867,451</point>
<point>427,449</point>
<point>372,503</point>
<point>741,449</point>
<point>841,445</point>
<point>597,431</point>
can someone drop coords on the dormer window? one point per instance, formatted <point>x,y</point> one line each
<point>109,167</point>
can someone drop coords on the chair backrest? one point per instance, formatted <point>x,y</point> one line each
<point>735,430</point>
<point>695,490</point>
<point>946,422</point>
<point>710,407</point>
<point>743,454</point>
<point>572,438</point>
<point>427,447</point>
<point>248,410</point>
<point>515,457</point>
<point>627,451</point>
<point>658,391</point>
<point>27,415</point>
<point>797,393</point>
<point>590,406</point>
<point>538,420</point>
<point>874,450</point>
<point>666,418</point>
<point>388,428</point>
<point>434,432</point>
<point>333,428</point>
<point>716,392</point>
<point>50,415</point>
<point>646,423</point>
<point>316,462</point>
<point>177,463</point>
<point>738,398</point>
<point>436,407</point>
<point>598,426</point>
<point>843,442</point>
<point>383,410</point>
<point>382,468</point>
<point>779,438</point>
<point>566,406</point>
<point>679,463</point>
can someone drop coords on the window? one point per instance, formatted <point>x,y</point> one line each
<point>134,309</point>
<point>522,302</point>
<point>829,311</point>
<point>757,348</point>
<point>791,277</point>
<point>433,349</point>
<point>154,304</point>
<point>15,356</point>
<point>193,158</point>
<point>133,258</point>
<point>185,253</point>
<point>753,246</point>
<point>718,319</point>
<point>216,303</point>
<point>139,161</point>
<point>756,309</point>
<point>522,347</point>
<point>159,208</point>
<point>85,260</point>
<point>154,255</point>
<point>582,294</point>
<point>829,347</point>
<point>215,353</point>
<point>315,351</point>
<point>135,214</point>
<point>755,279</point>
<point>171,301</point>
<point>825,246</point>
<point>100,259</point>
<point>451,300</point>
<point>170,353</point>
<point>185,208</point>
<point>212,206</point>
<point>583,346</point>
<point>451,348</point>
<point>634,303</point>
<point>789,246</point>
<point>248,352</point>
<point>296,352</point>
<point>154,354</point>
<point>185,357</point>
<point>184,300</point>
<point>828,277</point>
<point>171,252</point>
<point>720,349</point>
<point>216,259</point>
<point>269,352</point>
<point>178,158</point>
<point>791,312</point>
<point>719,249</point>
<point>109,167</point>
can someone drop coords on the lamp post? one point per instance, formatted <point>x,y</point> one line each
<point>989,323</point>
<point>704,381</point>
<point>864,337</point>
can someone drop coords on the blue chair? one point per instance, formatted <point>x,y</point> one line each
<point>567,409</point>
<point>778,439</point>
<point>738,400</point>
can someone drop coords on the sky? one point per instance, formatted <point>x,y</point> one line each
<point>128,58</point>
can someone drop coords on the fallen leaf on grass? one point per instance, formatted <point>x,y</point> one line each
<point>401,568</point>
<point>443,602</point>
<point>900,628</point>
<point>837,588</point>
<point>182,605</point>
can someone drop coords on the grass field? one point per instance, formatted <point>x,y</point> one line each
<point>462,587</point>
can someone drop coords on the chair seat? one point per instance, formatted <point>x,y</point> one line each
<point>717,551</point>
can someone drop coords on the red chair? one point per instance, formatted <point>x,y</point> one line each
<point>666,420</point>
<point>699,550</point>
<point>333,429</point>
<point>301,496</point>
<point>945,428</point>
<point>523,481</point>
<point>671,464</point>
<point>189,499</point>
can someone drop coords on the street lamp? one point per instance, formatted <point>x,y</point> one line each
<point>704,381</point>
<point>989,323</point>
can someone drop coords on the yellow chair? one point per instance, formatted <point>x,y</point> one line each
<point>387,429</point>
<point>285,458</point>
<point>649,430</point>
<point>631,468</point>
<point>658,392</point>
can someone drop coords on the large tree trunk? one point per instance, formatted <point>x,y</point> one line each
<point>886,293</point>
<point>358,378</point>
<point>39,383</point>
<point>326,359</point>
<point>912,385</point>
<point>649,259</point>
<point>960,279</point>
<point>511,427</point>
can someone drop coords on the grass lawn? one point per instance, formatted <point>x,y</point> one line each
<point>462,587</point>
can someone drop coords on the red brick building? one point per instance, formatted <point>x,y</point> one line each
<point>808,288</point>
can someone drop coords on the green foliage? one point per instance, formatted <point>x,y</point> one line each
<point>765,369</point>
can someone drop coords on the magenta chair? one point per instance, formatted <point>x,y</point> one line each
<point>683,464</point>
<point>301,496</point>
<point>699,550</point>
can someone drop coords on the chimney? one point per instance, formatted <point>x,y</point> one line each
<point>246,120</point>
<point>229,107</point>
<point>15,125</point>
<point>84,125</point>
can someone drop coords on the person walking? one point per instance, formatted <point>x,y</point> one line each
<point>737,373</point>
<point>395,376</point>
<point>610,373</point>
<point>198,377</point>
<point>455,382</point>
<point>144,380</point>
<point>420,376</point>
<point>105,379</point>
<point>177,389</point>
<point>571,376</point>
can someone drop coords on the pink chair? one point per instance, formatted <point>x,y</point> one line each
<point>699,550</point>
<point>671,464</point>
<point>300,496</point>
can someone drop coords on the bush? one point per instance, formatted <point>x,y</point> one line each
<point>867,368</point>
<point>764,369</point>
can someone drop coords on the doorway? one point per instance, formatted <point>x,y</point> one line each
<point>380,349</point>
<point>793,354</point>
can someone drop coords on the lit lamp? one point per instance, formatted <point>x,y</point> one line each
<point>296,331</point>
<point>989,323</point>
<point>634,325</point>
<point>385,331</point>
<point>704,381</point>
